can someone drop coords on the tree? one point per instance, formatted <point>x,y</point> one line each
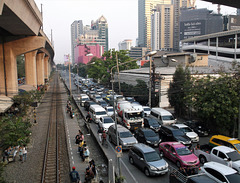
<point>177,90</point>
<point>21,66</point>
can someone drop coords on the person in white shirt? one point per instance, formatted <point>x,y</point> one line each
<point>24,153</point>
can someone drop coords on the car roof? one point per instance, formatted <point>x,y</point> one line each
<point>120,128</point>
<point>227,139</point>
<point>174,144</point>
<point>180,125</point>
<point>145,129</point>
<point>144,148</point>
<point>146,107</point>
<point>225,170</point>
<point>161,110</point>
<point>224,149</point>
<point>106,117</point>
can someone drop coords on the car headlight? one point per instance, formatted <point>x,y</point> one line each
<point>153,168</point>
<point>166,165</point>
<point>124,143</point>
<point>148,141</point>
<point>185,162</point>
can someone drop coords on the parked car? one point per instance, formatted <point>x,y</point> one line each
<point>102,103</point>
<point>198,127</point>
<point>147,136</point>
<point>188,131</point>
<point>106,122</point>
<point>125,137</point>
<point>109,110</point>
<point>170,134</point>
<point>147,110</point>
<point>147,159</point>
<point>220,173</point>
<point>220,154</point>
<point>218,140</point>
<point>152,123</point>
<point>179,154</point>
<point>87,104</point>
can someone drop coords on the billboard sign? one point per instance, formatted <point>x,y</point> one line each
<point>192,28</point>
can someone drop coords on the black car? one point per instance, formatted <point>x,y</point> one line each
<point>102,103</point>
<point>171,134</point>
<point>147,136</point>
<point>87,104</point>
<point>152,123</point>
<point>198,127</point>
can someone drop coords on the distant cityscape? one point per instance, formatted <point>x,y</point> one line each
<point>162,25</point>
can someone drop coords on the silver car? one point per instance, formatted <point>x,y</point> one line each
<point>125,137</point>
<point>147,159</point>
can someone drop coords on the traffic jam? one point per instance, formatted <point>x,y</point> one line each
<point>156,142</point>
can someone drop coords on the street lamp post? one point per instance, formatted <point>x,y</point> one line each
<point>150,54</point>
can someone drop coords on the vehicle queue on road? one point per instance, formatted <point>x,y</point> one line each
<point>176,139</point>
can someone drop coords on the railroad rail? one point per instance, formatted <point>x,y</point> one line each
<point>53,163</point>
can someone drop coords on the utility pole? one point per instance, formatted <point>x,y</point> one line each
<point>150,84</point>
<point>69,70</point>
<point>119,86</point>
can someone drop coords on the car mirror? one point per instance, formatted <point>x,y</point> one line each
<point>141,159</point>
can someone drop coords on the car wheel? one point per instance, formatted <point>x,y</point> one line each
<point>202,159</point>
<point>131,160</point>
<point>178,164</point>
<point>146,171</point>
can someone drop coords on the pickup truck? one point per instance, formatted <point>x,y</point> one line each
<point>221,154</point>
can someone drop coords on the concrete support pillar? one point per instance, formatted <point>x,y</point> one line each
<point>235,48</point>
<point>208,45</point>
<point>40,68</point>
<point>31,68</point>
<point>216,48</point>
<point>11,72</point>
<point>46,59</point>
<point>2,76</point>
<point>49,68</point>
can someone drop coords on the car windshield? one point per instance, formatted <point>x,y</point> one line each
<point>234,155</point>
<point>101,113</point>
<point>102,102</point>
<point>237,146</point>
<point>152,156</point>
<point>108,120</point>
<point>167,117</point>
<point>233,178</point>
<point>85,99</point>
<point>109,109</point>
<point>178,133</point>
<point>150,133</point>
<point>153,122</point>
<point>146,109</point>
<point>186,129</point>
<point>182,151</point>
<point>125,134</point>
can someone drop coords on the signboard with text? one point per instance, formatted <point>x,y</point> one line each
<point>190,29</point>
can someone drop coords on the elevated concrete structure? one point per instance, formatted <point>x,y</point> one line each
<point>232,3</point>
<point>21,33</point>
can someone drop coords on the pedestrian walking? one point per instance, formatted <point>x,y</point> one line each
<point>100,131</point>
<point>86,154</point>
<point>89,175</point>
<point>74,176</point>
<point>24,153</point>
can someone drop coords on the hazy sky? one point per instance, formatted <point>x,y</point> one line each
<point>122,17</point>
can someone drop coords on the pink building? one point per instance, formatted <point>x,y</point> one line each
<point>81,52</point>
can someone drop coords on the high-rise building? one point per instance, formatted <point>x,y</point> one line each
<point>76,31</point>
<point>137,52</point>
<point>145,8</point>
<point>125,45</point>
<point>162,27</point>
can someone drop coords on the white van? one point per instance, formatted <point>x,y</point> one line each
<point>162,115</point>
<point>83,99</point>
<point>95,112</point>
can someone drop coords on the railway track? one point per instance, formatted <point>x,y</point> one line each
<point>55,156</point>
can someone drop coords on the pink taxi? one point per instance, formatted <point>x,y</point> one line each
<point>179,154</point>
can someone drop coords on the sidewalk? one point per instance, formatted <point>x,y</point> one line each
<point>72,127</point>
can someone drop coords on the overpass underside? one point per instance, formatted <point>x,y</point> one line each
<point>21,34</point>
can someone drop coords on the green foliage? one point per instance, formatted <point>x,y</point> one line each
<point>14,131</point>
<point>21,66</point>
<point>99,69</point>
<point>177,91</point>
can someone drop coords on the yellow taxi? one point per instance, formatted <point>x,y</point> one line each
<point>221,140</point>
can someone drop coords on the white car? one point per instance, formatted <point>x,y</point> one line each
<point>220,173</point>
<point>147,110</point>
<point>106,122</point>
<point>188,131</point>
<point>109,110</point>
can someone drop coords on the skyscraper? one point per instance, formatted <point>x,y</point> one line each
<point>76,31</point>
<point>145,8</point>
<point>125,45</point>
<point>162,27</point>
